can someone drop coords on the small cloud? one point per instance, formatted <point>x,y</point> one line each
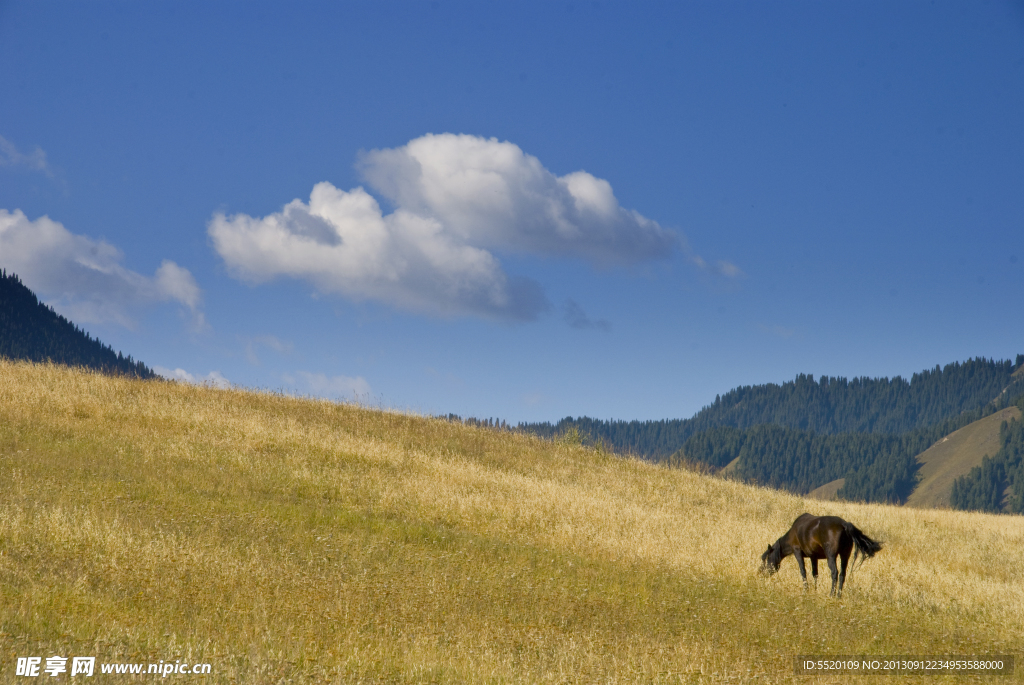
<point>728,269</point>
<point>574,315</point>
<point>33,161</point>
<point>322,385</point>
<point>251,345</point>
<point>84,278</point>
<point>721,267</point>
<point>214,378</point>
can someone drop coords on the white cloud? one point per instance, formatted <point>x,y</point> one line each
<point>493,195</point>
<point>84,278</point>
<point>343,244</point>
<point>214,378</point>
<point>458,199</point>
<point>35,160</point>
<point>322,385</point>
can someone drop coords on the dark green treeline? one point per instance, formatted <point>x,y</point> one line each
<point>32,331</point>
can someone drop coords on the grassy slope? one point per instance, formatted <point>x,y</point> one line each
<point>280,539</point>
<point>954,456</point>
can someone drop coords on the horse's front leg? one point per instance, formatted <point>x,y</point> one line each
<point>803,571</point>
<point>835,573</point>
<point>814,571</point>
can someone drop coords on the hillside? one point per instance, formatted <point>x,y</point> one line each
<point>954,456</point>
<point>288,540</point>
<point>32,331</point>
<point>997,484</point>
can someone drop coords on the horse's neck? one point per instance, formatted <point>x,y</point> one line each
<point>785,547</point>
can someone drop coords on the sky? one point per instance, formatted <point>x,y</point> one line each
<point>519,210</point>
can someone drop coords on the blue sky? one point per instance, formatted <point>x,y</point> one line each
<point>520,210</point>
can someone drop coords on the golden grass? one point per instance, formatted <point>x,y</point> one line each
<point>291,540</point>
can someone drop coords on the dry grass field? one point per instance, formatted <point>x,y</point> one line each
<point>289,540</point>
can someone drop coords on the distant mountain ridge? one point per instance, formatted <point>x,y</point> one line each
<point>804,433</point>
<point>32,331</point>
<point>830,406</point>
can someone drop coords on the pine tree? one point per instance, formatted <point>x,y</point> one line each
<point>32,331</point>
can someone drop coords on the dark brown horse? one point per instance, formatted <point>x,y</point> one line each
<point>820,537</point>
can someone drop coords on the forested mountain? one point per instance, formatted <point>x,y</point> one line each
<point>998,484</point>
<point>830,406</point>
<point>877,467</point>
<point>805,433</point>
<point>30,330</point>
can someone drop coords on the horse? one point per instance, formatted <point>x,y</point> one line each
<point>820,537</point>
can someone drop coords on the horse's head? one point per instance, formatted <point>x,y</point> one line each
<point>771,559</point>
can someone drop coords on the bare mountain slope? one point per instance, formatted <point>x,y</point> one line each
<point>954,456</point>
<point>829,491</point>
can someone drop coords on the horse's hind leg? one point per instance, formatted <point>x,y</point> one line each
<point>814,571</point>
<point>842,573</point>
<point>800,561</point>
<point>835,573</point>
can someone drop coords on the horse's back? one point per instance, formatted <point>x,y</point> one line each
<point>818,535</point>
<point>831,522</point>
<point>802,523</point>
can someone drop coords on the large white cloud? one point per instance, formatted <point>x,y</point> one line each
<point>493,195</point>
<point>84,278</point>
<point>458,200</point>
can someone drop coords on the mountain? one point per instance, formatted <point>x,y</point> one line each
<point>862,435</point>
<point>830,406</point>
<point>32,331</point>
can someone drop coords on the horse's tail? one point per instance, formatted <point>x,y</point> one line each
<point>865,545</point>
